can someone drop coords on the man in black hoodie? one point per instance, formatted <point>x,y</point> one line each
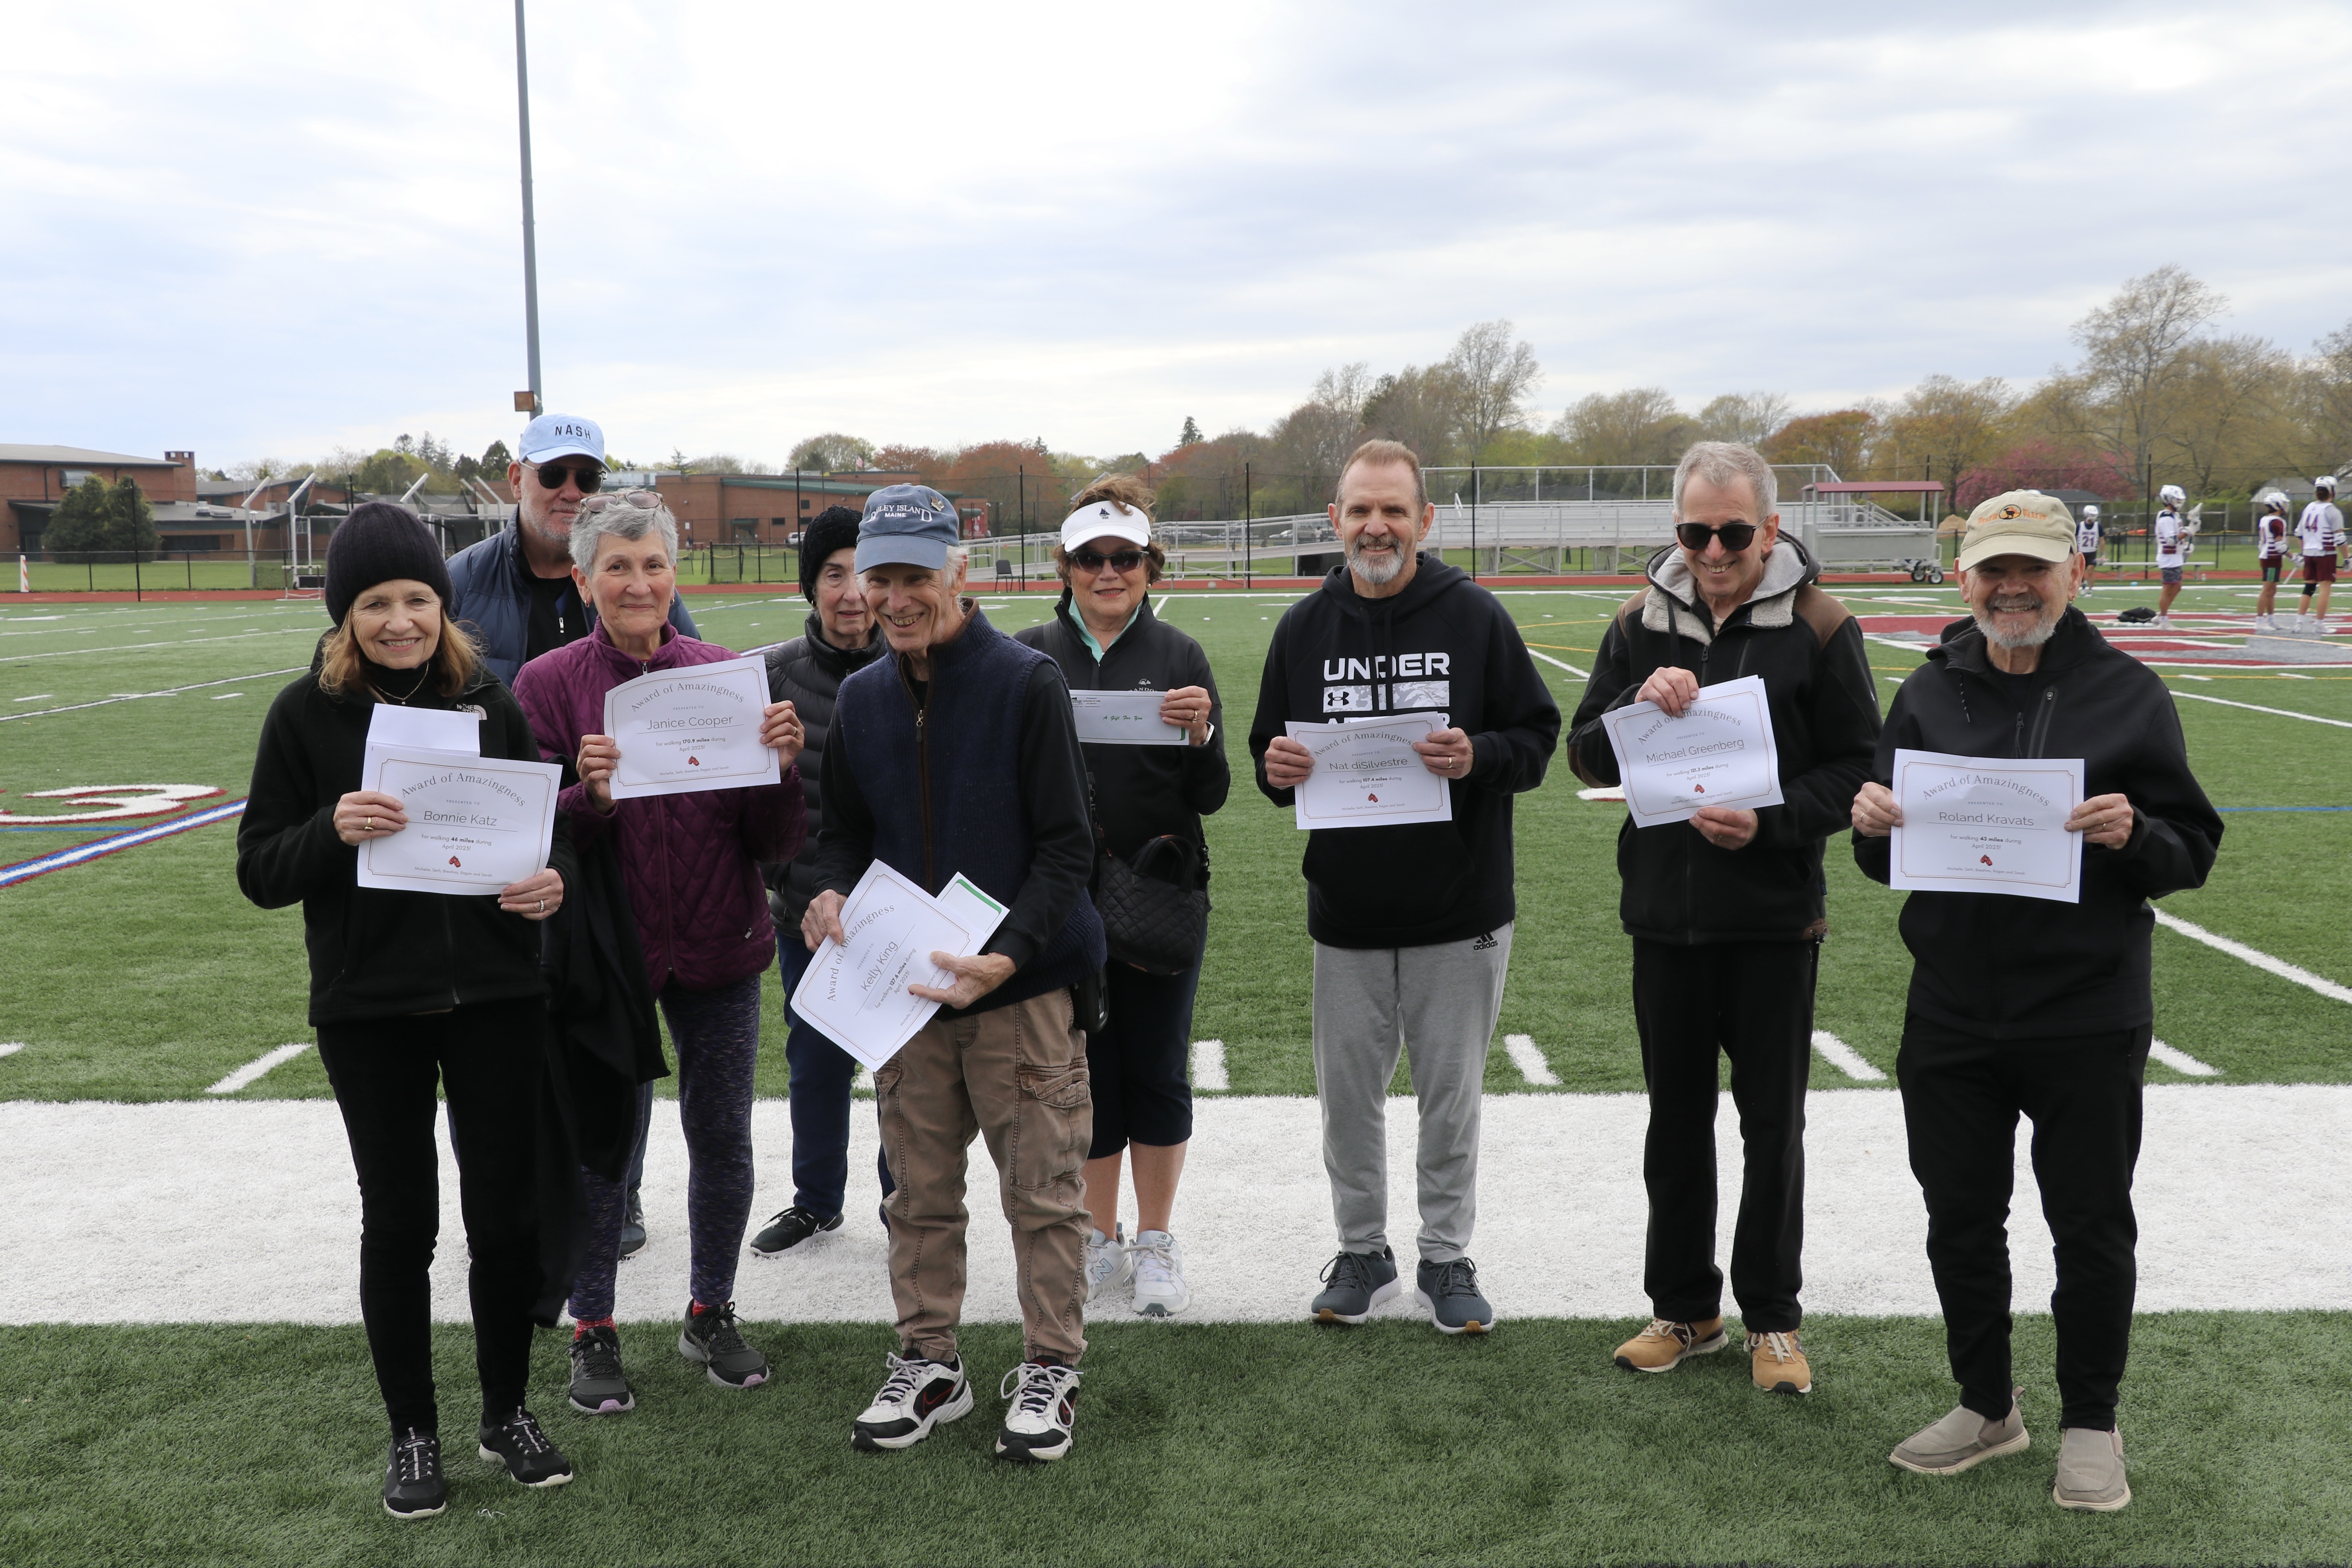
<point>1411,923</point>
<point>2031,1005</point>
<point>1727,910</point>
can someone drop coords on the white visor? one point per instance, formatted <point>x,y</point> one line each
<point>1105,518</point>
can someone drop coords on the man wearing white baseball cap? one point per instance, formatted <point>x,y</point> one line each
<point>514,590</point>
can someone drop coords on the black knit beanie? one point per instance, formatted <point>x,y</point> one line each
<point>834,528</point>
<point>381,542</point>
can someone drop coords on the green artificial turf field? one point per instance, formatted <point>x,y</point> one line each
<point>144,976</point>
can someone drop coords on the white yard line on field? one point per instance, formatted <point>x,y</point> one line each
<point>10,1048</point>
<point>136,646</point>
<point>1845,1059</point>
<point>2259,959</point>
<point>1530,1061</point>
<point>1209,1066</point>
<point>167,691</point>
<point>1562,663</point>
<point>2181,1061</point>
<point>281,1237</point>
<point>259,1067</point>
<point>2257,708</point>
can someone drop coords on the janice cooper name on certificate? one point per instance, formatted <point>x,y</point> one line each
<point>684,730</point>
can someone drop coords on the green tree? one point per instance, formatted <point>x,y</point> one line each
<point>1191,434</point>
<point>832,452</point>
<point>130,520</point>
<point>79,530</point>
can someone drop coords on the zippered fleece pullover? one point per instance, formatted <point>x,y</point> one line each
<point>378,952</point>
<point>2002,967</point>
<point>1445,645</point>
<point>1678,887</point>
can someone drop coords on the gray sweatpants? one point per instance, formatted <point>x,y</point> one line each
<point>1438,1003</point>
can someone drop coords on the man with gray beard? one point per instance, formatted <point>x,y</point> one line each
<point>2034,1006</point>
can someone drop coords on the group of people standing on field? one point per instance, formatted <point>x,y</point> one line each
<point>911,732</point>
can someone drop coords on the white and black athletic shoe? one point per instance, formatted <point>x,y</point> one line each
<point>789,1229</point>
<point>918,1395</point>
<point>1045,1396</point>
<point>518,1445</point>
<point>413,1487</point>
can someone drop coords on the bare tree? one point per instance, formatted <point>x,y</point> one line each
<point>2227,408</point>
<point>1495,372</point>
<point>1421,407</point>
<point>2132,356</point>
<point>2326,398</point>
<point>1343,389</point>
<point>1949,426</point>
<point>832,452</point>
<point>1746,418</point>
<point>1641,425</point>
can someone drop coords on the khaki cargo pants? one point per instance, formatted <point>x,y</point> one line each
<point>1015,1075</point>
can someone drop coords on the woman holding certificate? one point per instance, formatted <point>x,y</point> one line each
<point>414,988</point>
<point>1149,718</point>
<point>697,789</point>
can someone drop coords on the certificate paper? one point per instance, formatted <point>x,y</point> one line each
<point>474,827</point>
<point>1719,753</point>
<point>1367,774</point>
<point>437,729</point>
<point>1981,824</point>
<point>855,994</point>
<point>1124,718</point>
<point>681,731</point>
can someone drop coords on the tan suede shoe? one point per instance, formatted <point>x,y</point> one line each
<point>1663,1345</point>
<point>1777,1362</point>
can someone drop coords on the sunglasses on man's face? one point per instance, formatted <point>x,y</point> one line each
<point>1092,560</point>
<point>1736,536</point>
<point>552,475</point>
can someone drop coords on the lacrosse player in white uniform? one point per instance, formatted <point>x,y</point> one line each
<point>2271,530</point>
<point>2321,530</point>
<point>2172,551</point>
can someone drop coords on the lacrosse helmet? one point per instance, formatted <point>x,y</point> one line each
<point>2172,495</point>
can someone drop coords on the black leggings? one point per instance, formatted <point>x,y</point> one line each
<point>491,1056</point>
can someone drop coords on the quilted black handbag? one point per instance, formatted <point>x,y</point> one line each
<point>1155,915</point>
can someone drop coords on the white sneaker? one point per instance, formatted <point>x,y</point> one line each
<point>2164,623</point>
<point>918,1395</point>
<point>1159,1265</point>
<point>1107,1261</point>
<point>1044,1407</point>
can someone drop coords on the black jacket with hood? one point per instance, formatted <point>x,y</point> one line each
<point>2003,967</point>
<point>376,953</point>
<point>1678,887</point>
<point>1143,791</point>
<point>807,672</point>
<point>1443,644</point>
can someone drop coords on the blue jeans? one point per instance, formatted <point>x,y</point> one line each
<point>821,1075</point>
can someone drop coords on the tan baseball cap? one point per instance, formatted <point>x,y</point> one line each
<point>2018,523</point>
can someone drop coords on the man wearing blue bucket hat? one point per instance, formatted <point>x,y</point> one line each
<point>958,755</point>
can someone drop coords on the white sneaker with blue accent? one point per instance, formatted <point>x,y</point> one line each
<point>1107,1261</point>
<point>1158,1261</point>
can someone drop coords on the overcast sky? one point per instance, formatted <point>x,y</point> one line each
<point>273,228</point>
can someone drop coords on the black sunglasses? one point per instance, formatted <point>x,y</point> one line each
<point>552,475</point>
<point>1736,536</point>
<point>1092,560</point>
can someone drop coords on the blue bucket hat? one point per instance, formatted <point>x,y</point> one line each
<point>910,525</point>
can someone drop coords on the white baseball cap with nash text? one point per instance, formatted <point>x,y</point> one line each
<point>553,436</point>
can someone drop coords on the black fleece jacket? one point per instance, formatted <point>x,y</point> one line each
<point>1444,644</point>
<point>1679,888</point>
<point>2004,967</point>
<point>1142,792</point>
<point>376,953</point>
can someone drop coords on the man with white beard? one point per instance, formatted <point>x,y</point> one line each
<point>1412,922</point>
<point>2034,1005</point>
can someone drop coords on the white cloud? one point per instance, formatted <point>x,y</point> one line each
<point>247,227</point>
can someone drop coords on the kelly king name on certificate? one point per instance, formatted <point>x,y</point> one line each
<point>1720,752</point>
<point>682,730</point>
<point>1367,774</point>
<point>474,825</point>
<point>856,994</point>
<point>1983,825</point>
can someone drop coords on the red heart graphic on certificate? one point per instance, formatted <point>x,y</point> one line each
<point>1373,798</point>
<point>1985,859</point>
<point>1698,789</point>
<point>455,861</point>
<point>693,762</point>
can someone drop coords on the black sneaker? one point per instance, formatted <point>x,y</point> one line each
<point>518,1445</point>
<point>918,1395</point>
<point>789,1229</point>
<point>633,1227</point>
<point>1353,1284</point>
<point>1450,1291</point>
<point>599,1386</point>
<point>709,1337</point>
<point>413,1487</point>
<point>1045,1396</point>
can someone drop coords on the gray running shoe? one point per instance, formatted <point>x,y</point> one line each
<point>1450,1292</point>
<point>1353,1284</point>
<point>599,1386</point>
<point>1962,1439</point>
<point>711,1338</point>
<point>2091,1471</point>
<point>633,1227</point>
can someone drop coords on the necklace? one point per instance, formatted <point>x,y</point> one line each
<point>422,671</point>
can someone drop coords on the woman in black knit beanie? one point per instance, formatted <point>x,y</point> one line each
<point>410,990</point>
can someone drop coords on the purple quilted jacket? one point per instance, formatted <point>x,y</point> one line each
<point>692,861</point>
